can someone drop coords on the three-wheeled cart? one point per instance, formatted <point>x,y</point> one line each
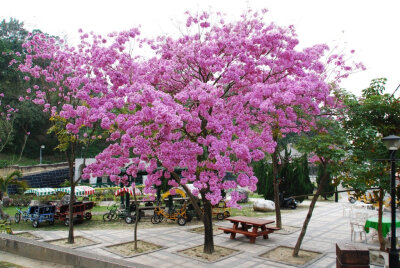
<point>81,211</point>
<point>221,210</point>
<point>41,213</point>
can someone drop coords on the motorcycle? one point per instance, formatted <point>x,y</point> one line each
<point>288,202</point>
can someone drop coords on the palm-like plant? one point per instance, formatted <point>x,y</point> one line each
<point>11,179</point>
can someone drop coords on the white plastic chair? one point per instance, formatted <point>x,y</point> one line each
<point>347,210</point>
<point>359,217</point>
<point>357,229</point>
<point>357,222</point>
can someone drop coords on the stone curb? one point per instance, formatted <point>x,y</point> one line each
<point>61,255</point>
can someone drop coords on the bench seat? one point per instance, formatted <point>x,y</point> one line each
<point>231,230</point>
<point>273,228</point>
<point>248,233</point>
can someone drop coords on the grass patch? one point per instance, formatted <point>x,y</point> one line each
<point>97,220</point>
<point>4,264</point>
<point>247,210</point>
<point>12,159</point>
<point>255,195</point>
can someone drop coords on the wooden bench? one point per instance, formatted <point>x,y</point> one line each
<point>249,227</point>
<point>273,228</point>
<point>247,233</point>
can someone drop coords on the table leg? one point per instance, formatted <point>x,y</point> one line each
<point>235,226</point>
<point>254,231</point>
<point>263,228</point>
<point>245,227</point>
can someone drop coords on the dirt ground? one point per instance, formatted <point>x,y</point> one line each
<point>284,254</point>
<point>197,252</point>
<point>128,249</point>
<point>79,241</point>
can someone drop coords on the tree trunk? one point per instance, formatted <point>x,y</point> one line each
<point>208,227</point>
<point>322,183</point>
<point>23,146</point>
<point>71,158</point>
<point>71,238</point>
<point>193,200</point>
<point>206,215</point>
<point>3,215</point>
<point>276,188</point>
<point>137,216</point>
<point>380,212</point>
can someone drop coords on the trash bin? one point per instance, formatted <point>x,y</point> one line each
<point>352,256</point>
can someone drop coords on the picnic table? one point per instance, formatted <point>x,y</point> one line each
<point>386,224</point>
<point>249,227</point>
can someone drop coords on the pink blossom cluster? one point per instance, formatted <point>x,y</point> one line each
<point>209,102</point>
<point>6,111</point>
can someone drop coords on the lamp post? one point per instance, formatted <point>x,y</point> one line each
<point>41,147</point>
<point>392,143</point>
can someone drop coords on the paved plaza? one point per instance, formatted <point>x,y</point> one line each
<point>327,227</point>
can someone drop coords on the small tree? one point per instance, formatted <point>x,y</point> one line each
<point>327,143</point>
<point>263,171</point>
<point>293,175</point>
<point>58,74</point>
<point>297,181</point>
<point>7,117</point>
<point>329,186</point>
<point>11,179</point>
<point>369,118</point>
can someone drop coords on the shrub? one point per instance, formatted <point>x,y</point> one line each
<point>4,163</point>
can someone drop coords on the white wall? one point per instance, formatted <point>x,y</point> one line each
<point>78,164</point>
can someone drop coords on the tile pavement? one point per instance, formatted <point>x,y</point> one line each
<point>327,227</point>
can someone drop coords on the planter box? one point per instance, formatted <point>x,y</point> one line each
<point>351,255</point>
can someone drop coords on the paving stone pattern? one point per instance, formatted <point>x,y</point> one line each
<point>327,227</point>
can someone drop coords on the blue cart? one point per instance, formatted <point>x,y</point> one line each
<point>37,215</point>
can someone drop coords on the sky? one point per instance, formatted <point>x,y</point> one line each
<point>367,26</point>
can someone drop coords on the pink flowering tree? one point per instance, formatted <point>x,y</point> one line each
<point>211,101</point>
<point>60,76</point>
<point>7,116</point>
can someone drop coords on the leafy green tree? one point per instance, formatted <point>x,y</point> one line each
<point>293,175</point>
<point>11,179</point>
<point>26,132</point>
<point>329,187</point>
<point>327,143</point>
<point>369,118</point>
<point>297,181</point>
<point>263,171</point>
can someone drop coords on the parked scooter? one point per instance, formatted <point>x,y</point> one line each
<point>288,202</point>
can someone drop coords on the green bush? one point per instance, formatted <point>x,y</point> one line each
<point>3,163</point>
<point>296,179</point>
<point>293,175</point>
<point>66,183</point>
<point>263,171</point>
